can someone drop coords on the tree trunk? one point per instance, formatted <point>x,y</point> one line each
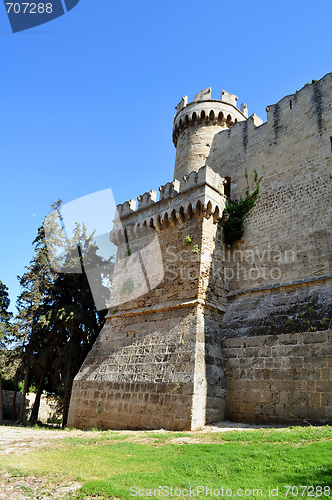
<point>35,410</point>
<point>66,396</point>
<point>25,390</point>
<point>17,376</point>
<point>1,401</point>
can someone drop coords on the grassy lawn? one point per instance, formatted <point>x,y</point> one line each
<point>111,463</point>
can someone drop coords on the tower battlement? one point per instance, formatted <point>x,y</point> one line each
<point>205,175</point>
<point>197,122</point>
<point>206,111</point>
<point>201,194</point>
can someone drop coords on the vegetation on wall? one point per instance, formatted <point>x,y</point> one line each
<point>238,210</point>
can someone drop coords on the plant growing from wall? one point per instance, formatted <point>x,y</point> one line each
<point>188,240</point>
<point>238,210</point>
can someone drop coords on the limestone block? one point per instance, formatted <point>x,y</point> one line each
<point>257,121</point>
<point>244,109</point>
<point>147,199</point>
<point>228,98</point>
<point>182,104</point>
<point>169,189</point>
<point>203,95</point>
<point>126,208</point>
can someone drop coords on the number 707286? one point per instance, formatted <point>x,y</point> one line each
<point>29,8</point>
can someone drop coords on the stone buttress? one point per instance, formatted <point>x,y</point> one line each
<point>157,361</point>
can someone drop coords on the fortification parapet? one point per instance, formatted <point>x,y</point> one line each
<point>229,98</point>
<point>147,199</point>
<point>211,112</point>
<point>201,194</point>
<point>195,125</point>
<point>125,208</point>
<point>204,175</point>
<point>169,189</point>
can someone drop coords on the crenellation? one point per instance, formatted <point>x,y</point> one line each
<point>229,98</point>
<point>205,175</point>
<point>244,110</point>
<point>169,189</point>
<point>182,104</point>
<point>256,120</point>
<point>126,208</point>
<point>147,199</point>
<point>203,95</point>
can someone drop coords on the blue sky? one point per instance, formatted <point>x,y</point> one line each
<point>87,100</point>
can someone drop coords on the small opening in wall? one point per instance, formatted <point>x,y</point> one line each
<point>331,143</point>
<point>290,104</point>
<point>227,187</point>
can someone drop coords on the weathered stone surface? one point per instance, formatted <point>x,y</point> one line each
<point>269,393</point>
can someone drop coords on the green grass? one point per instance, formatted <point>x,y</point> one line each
<point>109,463</point>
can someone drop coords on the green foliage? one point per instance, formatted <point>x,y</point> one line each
<point>54,420</point>
<point>312,81</point>
<point>188,240</point>
<point>5,315</point>
<point>99,409</point>
<point>8,340</point>
<point>32,388</point>
<point>195,249</point>
<point>307,84</point>
<point>57,314</point>
<point>238,210</point>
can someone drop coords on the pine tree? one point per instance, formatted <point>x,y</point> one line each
<point>57,313</point>
<point>5,335</point>
<point>75,317</point>
<point>33,303</point>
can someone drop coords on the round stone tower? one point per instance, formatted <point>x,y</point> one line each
<point>195,125</point>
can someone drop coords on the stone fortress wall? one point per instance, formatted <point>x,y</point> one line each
<point>157,362</point>
<point>241,331</point>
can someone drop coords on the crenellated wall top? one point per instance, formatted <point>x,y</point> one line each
<point>200,194</point>
<point>204,110</point>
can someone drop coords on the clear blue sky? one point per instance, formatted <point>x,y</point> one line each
<point>87,100</point>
